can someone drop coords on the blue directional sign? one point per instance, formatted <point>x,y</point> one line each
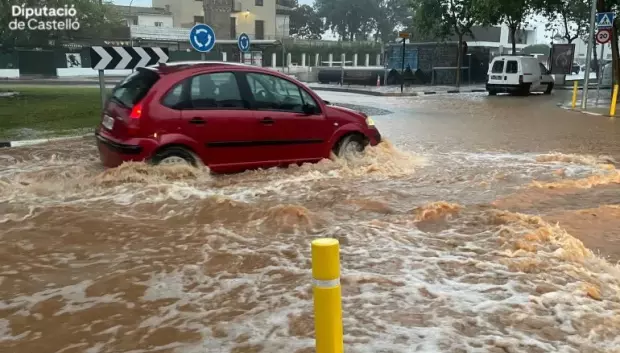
<point>605,20</point>
<point>244,42</point>
<point>202,38</point>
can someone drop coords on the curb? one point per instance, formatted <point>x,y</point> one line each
<point>583,111</point>
<point>393,94</point>
<point>94,83</point>
<point>22,143</point>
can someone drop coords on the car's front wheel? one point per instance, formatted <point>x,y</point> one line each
<point>174,156</point>
<point>351,146</point>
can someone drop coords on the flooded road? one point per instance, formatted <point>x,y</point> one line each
<point>464,232</point>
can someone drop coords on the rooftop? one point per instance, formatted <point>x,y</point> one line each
<point>141,10</point>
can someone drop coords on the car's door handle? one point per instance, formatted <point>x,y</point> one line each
<point>267,121</point>
<point>197,121</point>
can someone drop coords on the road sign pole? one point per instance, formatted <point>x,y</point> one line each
<point>599,74</point>
<point>102,89</point>
<point>402,81</point>
<point>586,80</point>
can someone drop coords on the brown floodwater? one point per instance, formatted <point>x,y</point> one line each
<point>482,224</point>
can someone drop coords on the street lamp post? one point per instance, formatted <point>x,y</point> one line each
<point>207,20</point>
<point>131,19</point>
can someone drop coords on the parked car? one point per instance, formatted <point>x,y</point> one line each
<point>229,117</point>
<point>518,75</point>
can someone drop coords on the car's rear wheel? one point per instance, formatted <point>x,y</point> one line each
<point>174,156</point>
<point>351,146</point>
<point>492,92</point>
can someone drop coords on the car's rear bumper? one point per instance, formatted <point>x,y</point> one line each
<point>503,87</point>
<point>113,153</point>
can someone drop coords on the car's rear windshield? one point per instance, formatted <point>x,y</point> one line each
<point>134,87</point>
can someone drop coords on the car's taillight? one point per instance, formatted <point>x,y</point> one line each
<point>133,125</point>
<point>136,112</point>
<point>520,78</point>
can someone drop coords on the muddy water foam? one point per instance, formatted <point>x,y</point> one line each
<point>147,259</point>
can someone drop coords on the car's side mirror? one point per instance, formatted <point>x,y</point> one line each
<point>309,109</point>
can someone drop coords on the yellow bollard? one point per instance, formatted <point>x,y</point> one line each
<point>327,295</point>
<point>575,86</point>
<point>614,97</point>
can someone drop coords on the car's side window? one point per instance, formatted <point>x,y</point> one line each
<point>309,101</point>
<point>274,93</point>
<point>215,91</point>
<point>174,97</point>
<point>543,69</point>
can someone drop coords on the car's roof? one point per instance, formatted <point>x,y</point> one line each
<point>176,66</point>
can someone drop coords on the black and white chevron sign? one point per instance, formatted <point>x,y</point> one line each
<point>122,58</point>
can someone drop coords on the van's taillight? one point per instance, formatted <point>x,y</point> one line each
<point>133,125</point>
<point>520,78</point>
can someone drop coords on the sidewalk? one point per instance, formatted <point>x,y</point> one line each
<point>394,91</point>
<point>600,109</point>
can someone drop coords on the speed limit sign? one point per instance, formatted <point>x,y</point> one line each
<point>603,36</point>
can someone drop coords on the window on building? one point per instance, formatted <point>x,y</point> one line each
<point>259,29</point>
<point>199,19</point>
<point>135,21</point>
<point>258,2</point>
<point>159,24</point>
<point>233,27</point>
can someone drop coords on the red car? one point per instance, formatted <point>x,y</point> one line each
<point>229,117</point>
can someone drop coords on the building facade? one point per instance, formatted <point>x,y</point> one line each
<point>259,19</point>
<point>145,16</point>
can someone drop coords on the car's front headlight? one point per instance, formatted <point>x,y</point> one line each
<point>369,121</point>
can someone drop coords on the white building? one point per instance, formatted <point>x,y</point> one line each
<point>146,16</point>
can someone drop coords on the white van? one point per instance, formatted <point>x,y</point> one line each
<point>518,75</point>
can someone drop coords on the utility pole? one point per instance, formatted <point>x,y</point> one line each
<point>586,81</point>
<point>206,8</point>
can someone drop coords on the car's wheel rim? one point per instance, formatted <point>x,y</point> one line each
<point>352,149</point>
<point>173,160</point>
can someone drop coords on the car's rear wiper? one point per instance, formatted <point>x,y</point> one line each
<point>117,100</point>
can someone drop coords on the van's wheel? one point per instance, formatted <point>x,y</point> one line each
<point>492,92</point>
<point>174,156</point>
<point>351,146</point>
<point>549,88</point>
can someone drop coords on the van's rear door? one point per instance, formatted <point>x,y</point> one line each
<point>496,72</point>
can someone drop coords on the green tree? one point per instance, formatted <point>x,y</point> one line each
<point>569,18</point>
<point>447,18</point>
<point>388,15</point>
<point>349,19</point>
<point>515,14</point>
<point>288,3</point>
<point>306,23</point>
